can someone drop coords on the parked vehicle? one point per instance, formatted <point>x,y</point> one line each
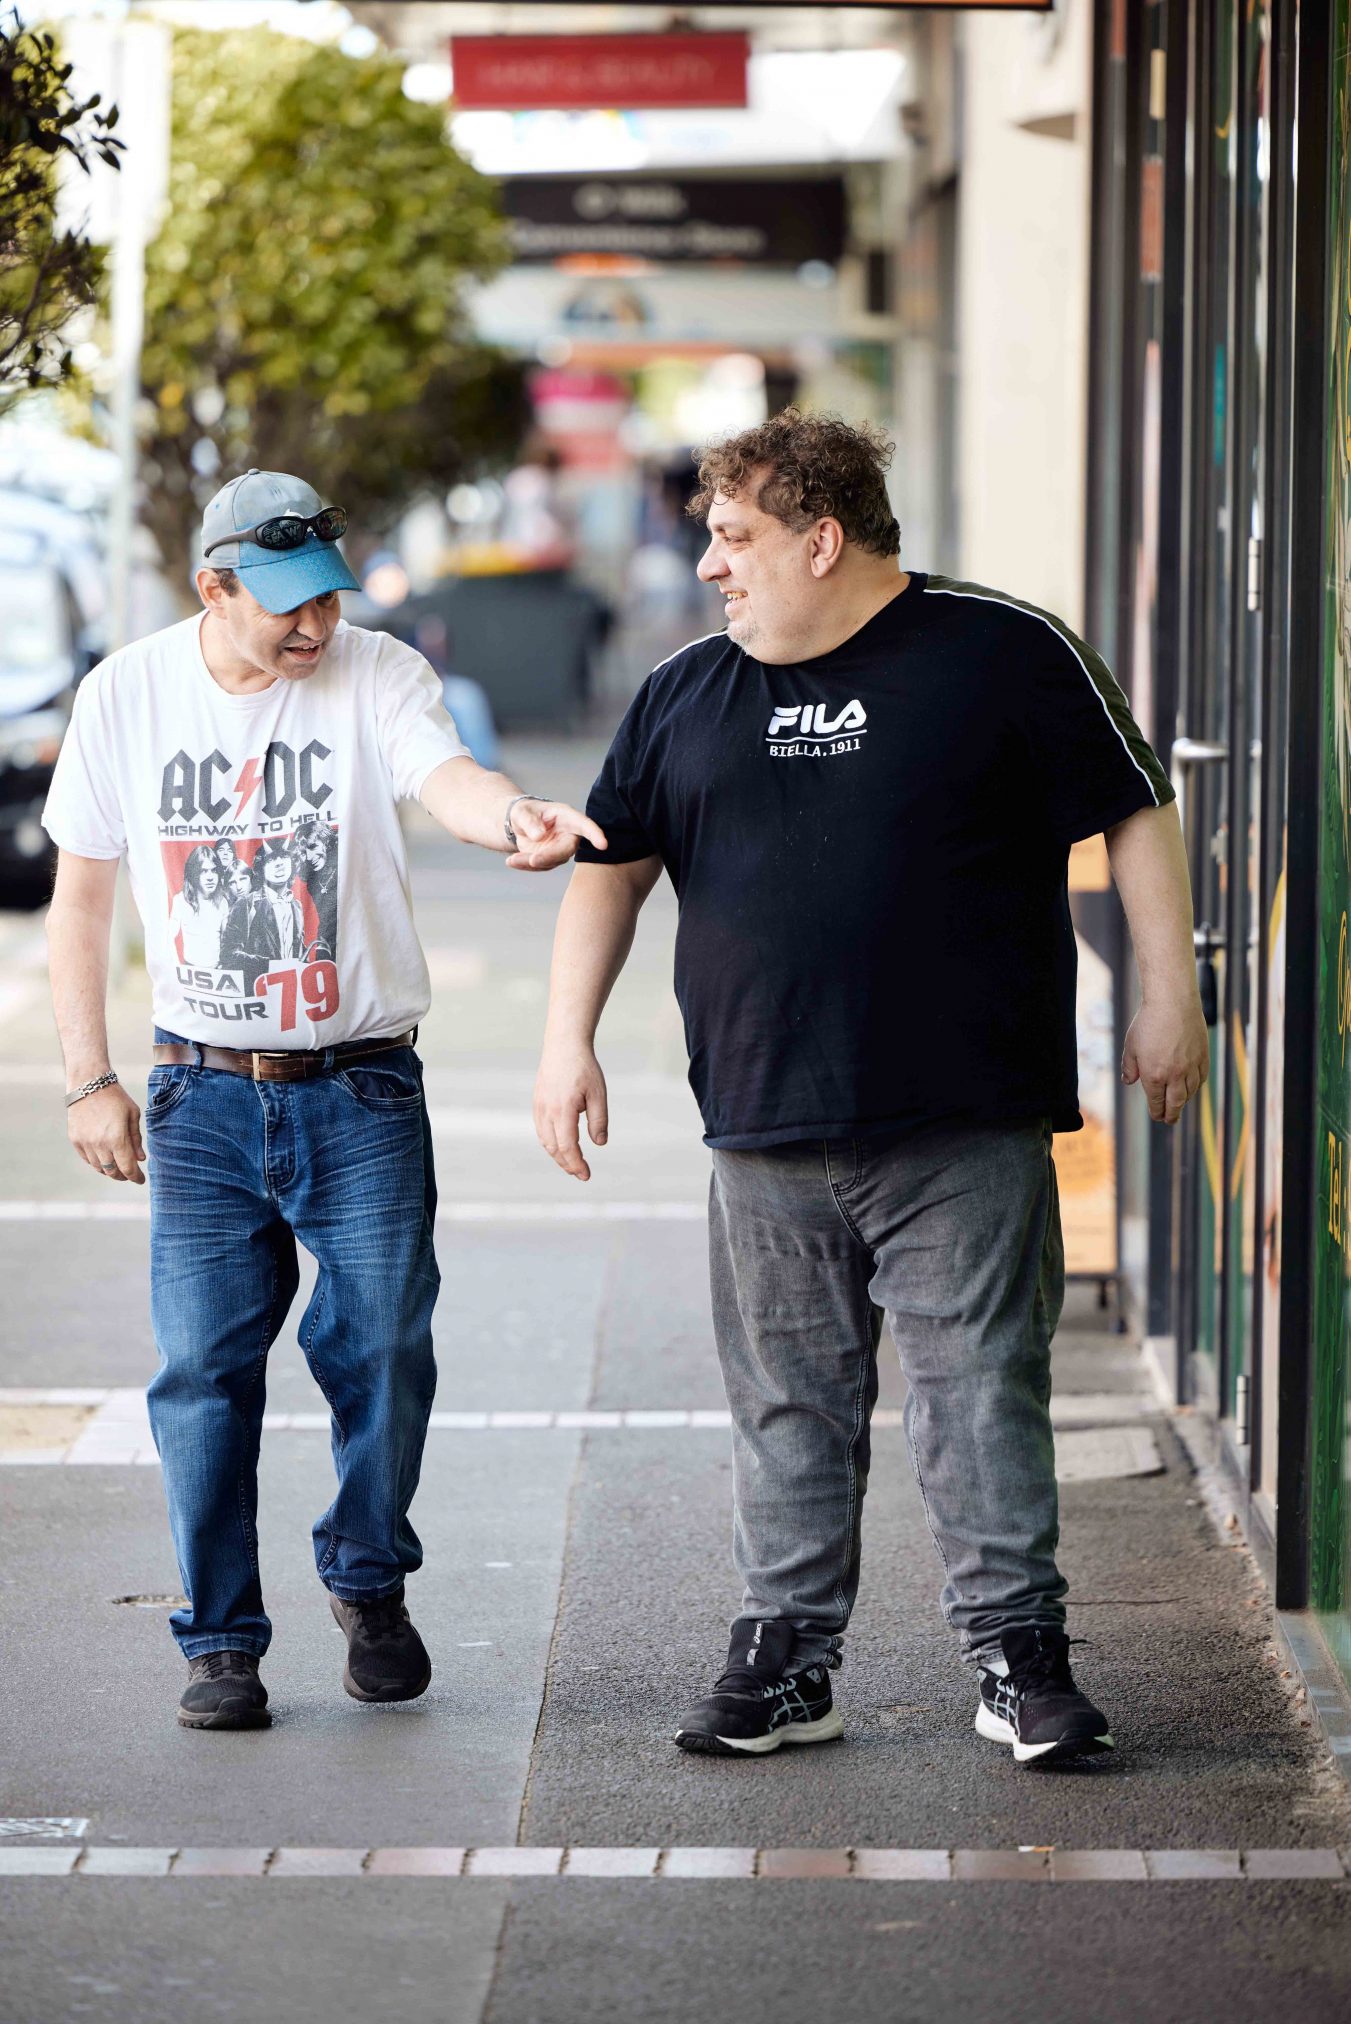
<point>48,643</point>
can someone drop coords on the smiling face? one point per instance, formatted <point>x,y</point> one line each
<point>277,872</point>
<point>770,575</point>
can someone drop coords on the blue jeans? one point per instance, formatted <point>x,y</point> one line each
<point>239,1171</point>
<point>953,1233</point>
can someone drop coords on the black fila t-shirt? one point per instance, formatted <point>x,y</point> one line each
<point>870,851</point>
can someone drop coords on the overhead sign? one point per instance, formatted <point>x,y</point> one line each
<point>658,218</point>
<point>538,73</point>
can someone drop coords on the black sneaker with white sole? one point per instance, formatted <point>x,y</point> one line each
<point>1028,1699</point>
<point>224,1692</point>
<point>759,1704</point>
<point>386,1659</point>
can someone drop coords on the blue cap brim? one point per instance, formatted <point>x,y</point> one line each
<point>282,583</point>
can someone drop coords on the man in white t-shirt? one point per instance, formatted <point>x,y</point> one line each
<point>285,1104</point>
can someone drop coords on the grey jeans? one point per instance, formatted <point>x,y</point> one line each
<point>952,1232</point>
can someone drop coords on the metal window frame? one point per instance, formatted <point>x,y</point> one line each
<point>1176,473</point>
<point>1113,399</point>
<point>1312,94</point>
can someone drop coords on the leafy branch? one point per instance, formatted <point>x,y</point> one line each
<point>46,274</point>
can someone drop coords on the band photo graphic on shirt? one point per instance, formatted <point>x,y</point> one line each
<point>253,923</point>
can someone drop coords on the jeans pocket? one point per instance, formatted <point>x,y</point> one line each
<point>392,1084</point>
<point>167,1086</point>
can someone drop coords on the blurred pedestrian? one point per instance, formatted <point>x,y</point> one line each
<point>537,518</point>
<point>865,791</point>
<point>267,710</point>
<point>466,700</point>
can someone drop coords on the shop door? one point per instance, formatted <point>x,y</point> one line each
<point>1218,763</point>
<point>1201,752</point>
<point>1244,924</point>
<point>1330,1473</point>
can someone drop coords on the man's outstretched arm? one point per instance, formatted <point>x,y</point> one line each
<point>471,804</point>
<point>594,935</point>
<point>1167,1048</point>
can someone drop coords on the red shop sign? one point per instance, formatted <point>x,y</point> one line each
<point>535,73</point>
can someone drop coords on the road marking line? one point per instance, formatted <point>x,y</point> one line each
<point>221,1861</point>
<point>908,1865</point>
<point>137,1210</point>
<point>1286,1863</point>
<point>766,1865</point>
<point>611,1861</point>
<point>318,1862</point>
<point>1192,1865</point>
<point>721,1862</point>
<point>105,1861</point>
<point>118,1435</point>
<point>415,1862</point>
<point>24,953</point>
<point>514,1861</point>
<point>475,1121</point>
<point>809,1864</point>
<point>115,1210</point>
<point>54,1395</point>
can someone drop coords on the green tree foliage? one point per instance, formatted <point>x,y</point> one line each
<point>303,296</point>
<point>46,274</point>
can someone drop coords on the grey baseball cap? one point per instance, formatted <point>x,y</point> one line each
<point>281,580</point>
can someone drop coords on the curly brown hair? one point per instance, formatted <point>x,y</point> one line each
<point>815,467</point>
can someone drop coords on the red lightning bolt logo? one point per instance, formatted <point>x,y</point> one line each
<point>247,784</point>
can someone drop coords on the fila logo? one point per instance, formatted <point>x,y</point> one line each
<point>810,720</point>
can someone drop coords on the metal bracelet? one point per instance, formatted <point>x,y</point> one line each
<point>87,1088</point>
<point>508,831</point>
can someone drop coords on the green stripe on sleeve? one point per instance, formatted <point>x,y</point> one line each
<point>1096,671</point>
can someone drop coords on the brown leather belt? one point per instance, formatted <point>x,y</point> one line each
<point>295,1066</point>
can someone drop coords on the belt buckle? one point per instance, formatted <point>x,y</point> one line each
<point>293,1064</point>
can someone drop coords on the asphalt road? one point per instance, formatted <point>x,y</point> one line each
<point>576,1591</point>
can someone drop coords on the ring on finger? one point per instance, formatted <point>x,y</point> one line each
<point>109,1169</point>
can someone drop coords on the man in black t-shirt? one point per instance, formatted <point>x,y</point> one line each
<point>864,792</point>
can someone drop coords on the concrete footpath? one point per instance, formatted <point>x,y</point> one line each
<point>524,1845</point>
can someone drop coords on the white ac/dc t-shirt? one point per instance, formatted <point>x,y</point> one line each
<point>261,832</point>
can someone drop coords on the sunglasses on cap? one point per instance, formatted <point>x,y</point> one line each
<point>289,530</point>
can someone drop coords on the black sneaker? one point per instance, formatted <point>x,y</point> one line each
<point>1029,1699</point>
<point>386,1659</point>
<point>224,1692</point>
<point>757,1705</point>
